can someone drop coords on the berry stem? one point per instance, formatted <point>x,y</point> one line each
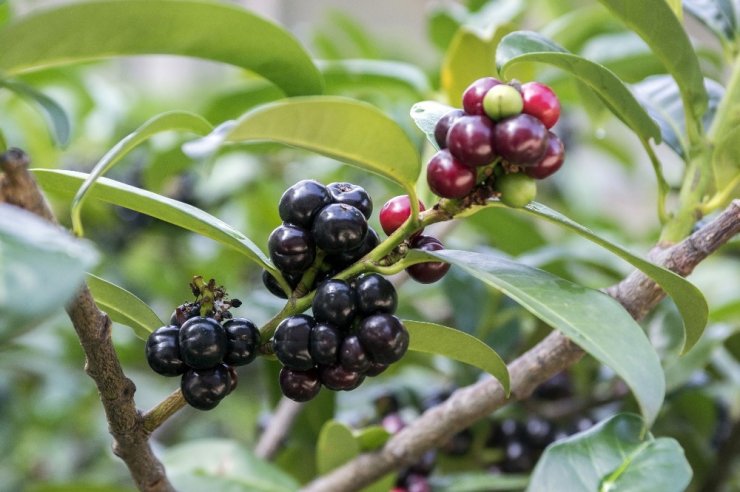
<point>163,411</point>
<point>304,286</point>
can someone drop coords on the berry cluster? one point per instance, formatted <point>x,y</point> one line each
<point>330,218</point>
<point>499,123</point>
<point>203,343</point>
<point>352,334</point>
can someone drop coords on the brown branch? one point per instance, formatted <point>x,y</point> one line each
<point>277,428</point>
<point>130,438</point>
<point>637,293</point>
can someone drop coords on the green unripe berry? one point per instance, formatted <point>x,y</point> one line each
<point>517,190</point>
<point>502,101</point>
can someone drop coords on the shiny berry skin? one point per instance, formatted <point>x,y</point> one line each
<point>205,388</point>
<point>375,369</point>
<point>443,126</point>
<point>302,201</point>
<point>521,139</point>
<point>299,385</point>
<point>448,177</point>
<point>242,341</point>
<point>338,378</point>
<point>541,102</point>
<point>472,99</point>
<point>163,351</point>
<point>202,342</point>
<point>274,287</point>
<point>291,342</point>
<point>395,212</point>
<point>432,271</point>
<point>346,258</point>
<point>339,227</point>
<point>502,101</point>
<point>383,337</point>
<point>351,194</point>
<point>471,140</point>
<point>184,312</point>
<point>352,355</point>
<point>551,161</point>
<point>517,190</point>
<point>291,248</point>
<point>335,303</point>
<point>324,344</point>
<point>375,294</point>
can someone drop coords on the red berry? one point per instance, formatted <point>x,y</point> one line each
<point>473,96</point>
<point>443,126</point>
<point>470,139</point>
<point>448,177</point>
<point>541,102</point>
<point>551,161</point>
<point>521,139</point>
<point>395,212</point>
<point>429,272</point>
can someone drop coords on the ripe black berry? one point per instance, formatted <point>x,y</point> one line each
<point>352,355</point>
<point>337,378</point>
<point>375,294</point>
<point>346,258</point>
<point>205,388</point>
<point>242,341</point>
<point>324,344</point>
<point>432,271</point>
<point>383,337</point>
<point>448,177</point>
<point>471,140</point>
<point>443,126</point>
<point>302,201</point>
<point>335,303</point>
<point>184,312</point>
<point>272,284</point>
<point>299,385</point>
<point>375,369</point>
<point>291,248</point>
<point>339,227</point>
<point>163,351</point>
<point>351,194</point>
<point>521,139</point>
<point>202,342</point>
<point>291,342</point>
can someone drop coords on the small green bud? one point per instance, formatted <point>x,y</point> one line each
<point>502,101</point>
<point>517,190</point>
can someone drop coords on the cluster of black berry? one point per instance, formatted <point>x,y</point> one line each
<point>203,344</point>
<point>330,218</point>
<point>352,334</point>
<point>506,123</point>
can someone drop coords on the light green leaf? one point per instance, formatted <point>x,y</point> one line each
<point>616,455</point>
<point>592,319</point>
<point>726,162</point>
<point>209,30</point>
<point>480,482</point>
<point>336,446</point>
<point>432,338</point>
<point>353,73</point>
<point>174,120</point>
<point>527,46</point>
<point>371,438</point>
<point>123,307</point>
<point>157,206</point>
<point>55,115</point>
<point>468,58</point>
<point>426,114</point>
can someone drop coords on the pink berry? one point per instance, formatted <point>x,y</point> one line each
<point>473,96</point>
<point>551,161</point>
<point>521,139</point>
<point>443,126</point>
<point>448,177</point>
<point>541,102</point>
<point>395,212</point>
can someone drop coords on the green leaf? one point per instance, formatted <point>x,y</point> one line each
<point>457,345</point>
<point>527,46</point>
<point>336,446</point>
<point>174,120</point>
<point>726,160</point>
<point>157,206</point>
<point>480,482</point>
<point>350,131</point>
<point>656,23</point>
<point>468,58</point>
<point>592,319</point>
<point>209,30</point>
<point>717,15</point>
<point>615,455</point>
<point>352,73</point>
<point>41,267</point>
<point>371,438</point>
<point>55,115</point>
<point>426,114</point>
<point>123,307</point>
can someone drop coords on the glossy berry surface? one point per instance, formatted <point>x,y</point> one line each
<point>205,388</point>
<point>502,101</point>
<point>299,385</point>
<point>335,303</point>
<point>383,337</point>
<point>163,351</point>
<point>472,98</point>
<point>324,344</point>
<point>302,201</point>
<point>242,341</point>
<point>551,161</point>
<point>395,212</point>
<point>273,286</point>
<point>337,378</point>
<point>352,355</point>
<point>541,102</point>
<point>291,248</point>
<point>517,190</point>
<point>346,258</point>
<point>375,369</point>
<point>521,139</point>
<point>448,177</point>
<point>351,194</point>
<point>471,140</point>
<point>432,271</point>
<point>202,342</point>
<point>339,227</point>
<point>291,342</point>
<point>375,294</point>
<point>442,128</point>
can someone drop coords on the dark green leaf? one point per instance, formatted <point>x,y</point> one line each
<point>157,206</point>
<point>717,15</point>
<point>101,29</point>
<point>371,438</point>
<point>123,307</point>
<point>593,320</point>
<point>526,46</point>
<point>55,115</point>
<point>615,455</point>
<point>426,114</point>
<point>336,446</point>
<point>457,345</point>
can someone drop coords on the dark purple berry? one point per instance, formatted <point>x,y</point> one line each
<point>352,355</point>
<point>335,303</point>
<point>521,139</point>
<point>163,351</point>
<point>551,161</point>
<point>242,341</point>
<point>472,99</point>
<point>339,227</point>
<point>375,369</point>
<point>375,294</point>
<point>202,343</point>
<point>383,337</point>
<point>302,201</point>
<point>299,385</point>
<point>291,342</point>
<point>431,271</point>
<point>351,194</point>
<point>448,177</point>
<point>184,312</point>
<point>346,258</point>
<point>443,126</point>
<point>324,344</point>
<point>205,388</point>
<point>337,378</point>
<point>274,287</point>
<point>291,248</point>
<point>471,140</point>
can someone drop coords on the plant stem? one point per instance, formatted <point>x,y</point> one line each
<point>163,411</point>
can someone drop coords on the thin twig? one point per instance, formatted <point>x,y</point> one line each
<point>277,428</point>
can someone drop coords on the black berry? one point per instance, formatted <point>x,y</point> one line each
<point>383,337</point>
<point>335,303</point>
<point>338,378</point>
<point>375,369</point>
<point>346,258</point>
<point>202,342</point>
<point>302,201</point>
<point>205,388</point>
<point>272,284</point>
<point>299,385</point>
<point>375,294</point>
<point>339,227</point>
<point>242,341</point>
<point>352,355</point>
<point>432,271</point>
<point>324,344</point>
<point>163,351</point>
<point>291,248</point>
<point>351,194</point>
<point>291,342</point>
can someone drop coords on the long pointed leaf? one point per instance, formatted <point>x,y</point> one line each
<point>55,115</point>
